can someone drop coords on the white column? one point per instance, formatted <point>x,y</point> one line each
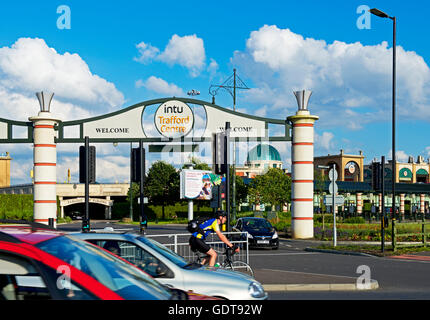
<point>402,205</point>
<point>359,204</point>
<point>45,170</point>
<point>302,188</point>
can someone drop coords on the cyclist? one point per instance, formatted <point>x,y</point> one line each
<point>197,239</point>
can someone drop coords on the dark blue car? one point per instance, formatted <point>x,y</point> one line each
<point>260,232</point>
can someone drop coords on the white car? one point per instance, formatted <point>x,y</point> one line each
<point>174,271</point>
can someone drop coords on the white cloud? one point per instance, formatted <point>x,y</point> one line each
<point>351,82</point>
<point>324,141</point>
<point>212,67</point>
<point>146,52</point>
<point>29,66</point>
<point>161,86</point>
<point>187,51</point>
<point>401,155</point>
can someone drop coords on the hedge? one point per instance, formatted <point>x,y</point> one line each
<point>16,206</point>
<point>180,210</point>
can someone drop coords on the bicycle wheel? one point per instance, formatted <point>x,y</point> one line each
<point>239,266</point>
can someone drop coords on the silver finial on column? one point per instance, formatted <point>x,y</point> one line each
<point>45,99</point>
<point>303,97</point>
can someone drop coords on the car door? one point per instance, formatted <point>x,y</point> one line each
<point>143,259</point>
<point>21,278</point>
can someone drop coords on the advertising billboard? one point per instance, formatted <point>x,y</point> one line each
<point>197,184</point>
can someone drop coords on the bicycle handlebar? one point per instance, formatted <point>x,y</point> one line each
<point>231,251</point>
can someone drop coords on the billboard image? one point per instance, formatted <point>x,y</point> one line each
<point>197,184</point>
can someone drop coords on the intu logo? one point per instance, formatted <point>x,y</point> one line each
<point>173,109</point>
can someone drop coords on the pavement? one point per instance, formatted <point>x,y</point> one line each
<point>282,280</point>
<point>279,280</point>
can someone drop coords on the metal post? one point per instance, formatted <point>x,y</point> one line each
<point>143,220</point>
<point>131,181</point>
<point>333,206</point>
<point>383,204</point>
<point>227,178</point>
<point>190,201</point>
<point>234,151</point>
<point>86,222</point>
<point>394,123</point>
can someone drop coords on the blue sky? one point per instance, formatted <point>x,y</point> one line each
<point>120,53</point>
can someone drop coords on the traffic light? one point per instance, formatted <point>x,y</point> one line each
<point>85,225</point>
<point>220,152</point>
<point>92,164</point>
<point>135,164</point>
<point>376,176</point>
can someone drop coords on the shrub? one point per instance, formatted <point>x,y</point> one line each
<point>357,220</point>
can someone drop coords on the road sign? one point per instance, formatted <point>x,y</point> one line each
<point>332,188</point>
<point>330,175</point>
<point>338,200</point>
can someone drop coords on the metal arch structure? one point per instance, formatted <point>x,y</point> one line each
<point>45,132</point>
<point>7,126</point>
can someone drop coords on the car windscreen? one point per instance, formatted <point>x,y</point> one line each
<point>122,278</point>
<point>166,252</point>
<point>257,225</point>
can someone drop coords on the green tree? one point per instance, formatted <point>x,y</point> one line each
<point>241,189</point>
<point>273,187</point>
<point>198,164</point>
<point>162,185</point>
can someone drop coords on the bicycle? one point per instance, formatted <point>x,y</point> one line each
<point>236,265</point>
<point>228,263</point>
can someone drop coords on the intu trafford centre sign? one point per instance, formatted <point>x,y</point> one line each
<point>158,120</point>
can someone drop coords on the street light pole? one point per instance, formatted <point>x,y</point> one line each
<point>382,14</point>
<point>231,84</point>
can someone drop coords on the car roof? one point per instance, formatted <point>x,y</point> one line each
<point>28,234</point>
<point>101,235</point>
<point>253,218</point>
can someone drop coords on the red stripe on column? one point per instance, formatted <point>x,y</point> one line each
<point>45,145</point>
<point>303,162</point>
<point>303,181</point>
<point>45,164</point>
<point>47,126</point>
<point>303,143</point>
<point>303,125</point>
<point>43,220</point>
<point>45,182</point>
<point>302,218</point>
<point>45,201</point>
<point>302,199</point>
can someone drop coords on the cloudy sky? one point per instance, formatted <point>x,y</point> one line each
<point>100,57</point>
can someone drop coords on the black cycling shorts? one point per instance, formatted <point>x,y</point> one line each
<point>199,245</point>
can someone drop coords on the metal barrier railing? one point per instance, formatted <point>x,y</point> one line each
<point>179,244</point>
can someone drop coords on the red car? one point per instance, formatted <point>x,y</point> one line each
<point>42,263</point>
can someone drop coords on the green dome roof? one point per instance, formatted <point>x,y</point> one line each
<point>263,152</point>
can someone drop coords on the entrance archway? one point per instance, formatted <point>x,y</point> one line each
<point>174,121</point>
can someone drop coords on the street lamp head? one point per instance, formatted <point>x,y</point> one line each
<point>193,92</point>
<point>379,13</point>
